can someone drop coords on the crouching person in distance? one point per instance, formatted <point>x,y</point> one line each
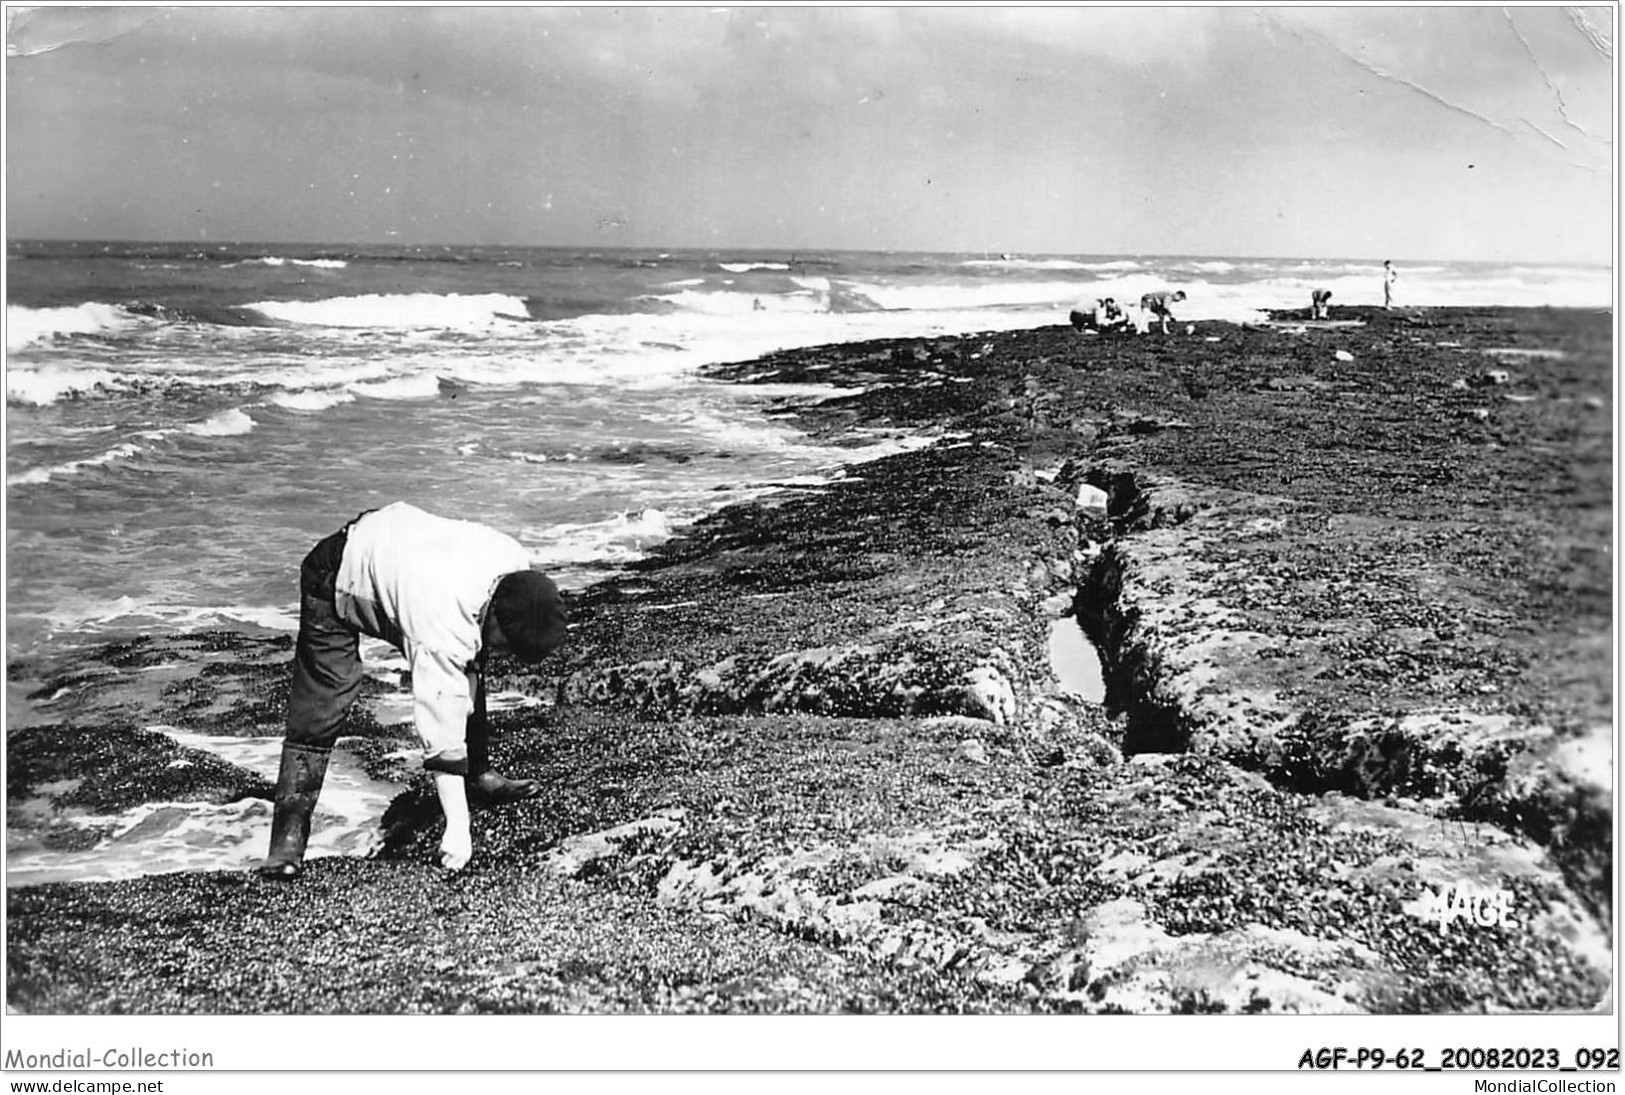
<point>1098,315</point>
<point>446,593</point>
<point>1320,304</point>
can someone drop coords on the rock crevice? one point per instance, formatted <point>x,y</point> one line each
<point>1196,662</point>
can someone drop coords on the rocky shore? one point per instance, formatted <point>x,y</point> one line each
<point>1351,585</point>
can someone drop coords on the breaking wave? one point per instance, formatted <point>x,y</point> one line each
<point>618,539</point>
<point>26,326</point>
<point>50,383</point>
<point>311,400</point>
<point>273,260</point>
<point>232,423</point>
<point>36,476</point>
<point>453,311</point>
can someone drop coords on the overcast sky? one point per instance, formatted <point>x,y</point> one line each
<point>1481,132</point>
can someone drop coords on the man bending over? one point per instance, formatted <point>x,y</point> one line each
<point>445,593</point>
<point>1156,304</point>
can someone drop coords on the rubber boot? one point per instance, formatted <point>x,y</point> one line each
<point>298,784</point>
<point>486,788</point>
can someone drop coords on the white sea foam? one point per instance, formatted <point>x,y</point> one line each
<point>1112,264</point>
<point>735,434</point>
<point>1241,302</point>
<point>284,618</point>
<point>654,351</point>
<point>230,423</point>
<point>578,553</point>
<point>730,303</point>
<point>965,296</point>
<point>1203,301</point>
<point>747,267</point>
<point>887,445</point>
<point>310,400</point>
<point>274,260</point>
<point>621,538</point>
<point>544,457</point>
<point>616,362</point>
<point>416,386</point>
<point>130,612</point>
<point>72,467</point>
<point>1031,264</point>
<point>25,325</point>
<point>332,372</point>
<point>162,837</point>
<point>351,800</point>
<point>1288,286</point>
<point>46,384</point>
<point>453,311</point>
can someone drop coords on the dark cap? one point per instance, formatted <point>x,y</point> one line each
<point>527,607</point>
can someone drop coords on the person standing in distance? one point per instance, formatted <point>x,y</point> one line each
<point>445,593</point>
<point>1389,276</point>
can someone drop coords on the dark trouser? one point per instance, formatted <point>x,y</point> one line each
<point>327,658</point>
<point>478,735</point>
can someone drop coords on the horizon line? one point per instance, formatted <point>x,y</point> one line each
<point>791,251</point>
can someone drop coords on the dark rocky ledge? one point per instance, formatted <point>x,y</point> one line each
<point>1352,587</point>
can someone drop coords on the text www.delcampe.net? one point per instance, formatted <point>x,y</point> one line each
<point>87,1087</point>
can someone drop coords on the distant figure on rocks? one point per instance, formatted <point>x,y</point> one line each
<point>446,593</point>
<point>1320,304</point>
<point>1157,305</point>
<point>1100,315</point>
<point>1389,276</point>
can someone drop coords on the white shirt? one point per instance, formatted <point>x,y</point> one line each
<point>423,583</point>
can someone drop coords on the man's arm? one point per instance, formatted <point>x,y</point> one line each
<point>441,705</point>
<point>457,845</point>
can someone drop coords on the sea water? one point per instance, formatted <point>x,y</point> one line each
<point>184,421</point>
